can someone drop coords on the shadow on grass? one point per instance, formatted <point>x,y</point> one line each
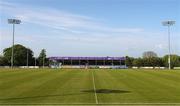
<point>103,91</point>
<point>106,91</point>
<point>43,96</point>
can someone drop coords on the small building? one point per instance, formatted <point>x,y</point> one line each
<point>87,62</point>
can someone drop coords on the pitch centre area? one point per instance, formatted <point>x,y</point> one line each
<point>91,86</point>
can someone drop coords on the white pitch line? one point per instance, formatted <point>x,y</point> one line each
<point>95,95</point>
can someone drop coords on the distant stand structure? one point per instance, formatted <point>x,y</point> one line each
<point>88,62</point>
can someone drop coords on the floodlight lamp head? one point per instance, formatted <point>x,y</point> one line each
<point>168,23</point>
<point>14,21</point>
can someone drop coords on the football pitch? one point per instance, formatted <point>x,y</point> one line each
<point>89,86</point>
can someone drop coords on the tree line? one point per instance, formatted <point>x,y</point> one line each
<point>150,59</point>
<point>21,55</point>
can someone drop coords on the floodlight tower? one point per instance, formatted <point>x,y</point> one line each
<point>169,23</point>
<point>13,22</point>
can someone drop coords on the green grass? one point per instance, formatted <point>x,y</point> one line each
<point>75,86</point>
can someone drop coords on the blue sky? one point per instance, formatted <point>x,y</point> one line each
<point>91,27</point>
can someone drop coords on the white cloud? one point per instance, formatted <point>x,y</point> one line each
<point>160,46</point>
<point>62,20</point>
